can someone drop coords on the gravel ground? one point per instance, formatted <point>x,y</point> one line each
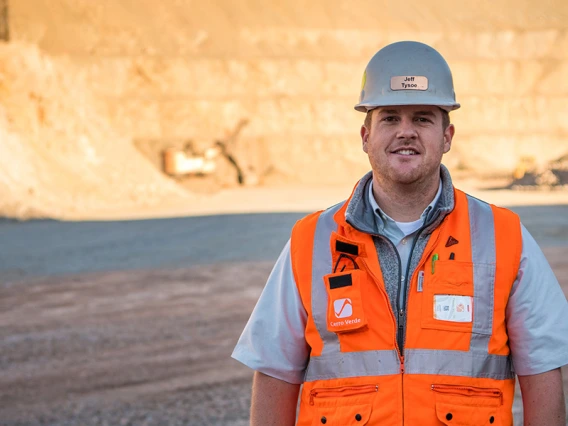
<point>135,347</point>
<point>127,348</point>
<point>216,404</point>
<point>144,346</point>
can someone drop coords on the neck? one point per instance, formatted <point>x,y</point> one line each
<point>402,202</point>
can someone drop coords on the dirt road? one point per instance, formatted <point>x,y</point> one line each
<point>84,344</point>
<point>139,347</point>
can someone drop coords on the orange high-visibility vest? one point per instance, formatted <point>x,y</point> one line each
<point>455,367</point>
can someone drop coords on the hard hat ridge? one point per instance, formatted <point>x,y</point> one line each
<point>407,73</point>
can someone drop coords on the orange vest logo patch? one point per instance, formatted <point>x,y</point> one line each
<point>343,308</point>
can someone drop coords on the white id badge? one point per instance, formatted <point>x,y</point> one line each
<point>453,308</point>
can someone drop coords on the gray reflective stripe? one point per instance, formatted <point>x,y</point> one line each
<point>322,266</point>
<point>457,363</point>
<point>353,364</point>
<point>418,361</point>
<point>483,256</point>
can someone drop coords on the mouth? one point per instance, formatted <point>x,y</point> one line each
<point>405,151</point>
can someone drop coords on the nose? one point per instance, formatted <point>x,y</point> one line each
<point>406,129</point>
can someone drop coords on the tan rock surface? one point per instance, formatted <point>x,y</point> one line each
<point>59,156</point>
<point>114,72</point>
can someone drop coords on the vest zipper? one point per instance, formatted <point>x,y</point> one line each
<point>402,304</point>
<point>341,391</point>
<point>401,297</point>
<point>369,270</point>
<point>402,307</point>
<point>400,312</point>
<point>400,330</point>
<point>402,290</point>
<point>402,385</point>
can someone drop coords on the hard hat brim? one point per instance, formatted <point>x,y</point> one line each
<point>368,106</point>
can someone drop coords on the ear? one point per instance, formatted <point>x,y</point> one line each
<point>448,136</point>
<point>365,137</point>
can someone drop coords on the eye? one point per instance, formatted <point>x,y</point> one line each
<point>423,120</point>
<point>390,118</point>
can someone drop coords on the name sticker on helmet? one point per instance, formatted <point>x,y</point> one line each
<point>409,82</point>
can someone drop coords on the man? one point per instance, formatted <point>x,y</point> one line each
<point>411,303</point>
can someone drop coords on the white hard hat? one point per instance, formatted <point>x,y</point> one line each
<point>407,73</point>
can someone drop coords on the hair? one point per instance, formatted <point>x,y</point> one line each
<point>368,119</point>
<point>445,119</point>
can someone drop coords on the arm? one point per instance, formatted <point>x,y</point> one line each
<point>543,399</point>
<point>537,324</point>
<point>273,402</point>
<point>273,341</point>
<point>273,344</point>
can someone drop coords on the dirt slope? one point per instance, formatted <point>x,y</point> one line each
<point>58,154</point>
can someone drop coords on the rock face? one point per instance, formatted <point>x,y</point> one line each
<point>59,156</point>
<point>190,70</point>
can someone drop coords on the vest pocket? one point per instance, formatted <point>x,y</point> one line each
<point>345,305</point>
<point>343,406</point>
<point>468,405</point>
<point>447,297</point>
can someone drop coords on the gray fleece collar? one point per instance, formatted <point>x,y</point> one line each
<point>360,214</point>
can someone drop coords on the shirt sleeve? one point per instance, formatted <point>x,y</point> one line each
<point>273,340</point>
<point>537,314</point>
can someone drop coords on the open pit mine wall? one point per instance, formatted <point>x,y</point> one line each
<point>192,69</point>
<point>59,156</point>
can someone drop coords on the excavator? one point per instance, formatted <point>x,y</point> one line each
<point>186,161</point>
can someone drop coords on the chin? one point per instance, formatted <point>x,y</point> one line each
<point>405,177</point>
<point>406,180</point>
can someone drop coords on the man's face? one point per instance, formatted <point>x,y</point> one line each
<point>406,143</point>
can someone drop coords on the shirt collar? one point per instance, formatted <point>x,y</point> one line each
<point>378,211</point>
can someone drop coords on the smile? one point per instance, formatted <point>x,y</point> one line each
<point>405,152</point>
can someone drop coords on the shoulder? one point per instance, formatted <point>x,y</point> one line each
<point>506,220</point>
<point>303,238</point>
<point>307,224</point>
<point>500,227</point>
<point>495,209</point>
